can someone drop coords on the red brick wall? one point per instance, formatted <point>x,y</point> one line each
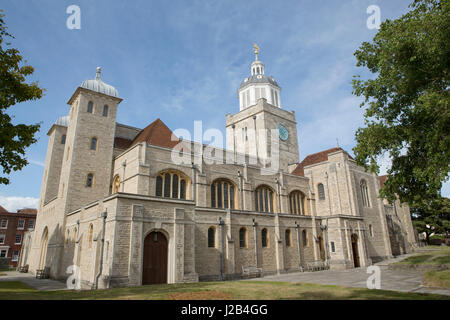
<point>12,230</point>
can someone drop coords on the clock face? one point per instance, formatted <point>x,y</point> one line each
<point>284,133</point>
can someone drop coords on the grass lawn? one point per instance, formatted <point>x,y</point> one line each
<point>437,279</point>
<point>434,256</point>
<point>227,290</point>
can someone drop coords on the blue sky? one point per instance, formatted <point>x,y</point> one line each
<point>184,60</point>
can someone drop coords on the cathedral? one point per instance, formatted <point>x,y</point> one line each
<point>116,205</point>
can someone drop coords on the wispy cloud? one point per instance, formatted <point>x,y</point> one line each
<point>12,204</point>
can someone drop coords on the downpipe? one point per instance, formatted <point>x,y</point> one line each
<point>100,270</point>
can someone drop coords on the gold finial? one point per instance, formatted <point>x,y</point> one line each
<point>256,51</point>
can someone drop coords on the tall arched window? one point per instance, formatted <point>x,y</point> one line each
<point>321,191</point>
<point>264,238</point>
<point>116,184</point>
<point>364,193</point>
<point>222,194</point>
<point>305,238</point>
<point>264,199</point>
<point>90,180</point>
<point>171,184</point>
<point>63,139</point>
<point>243,237</point>
<point>90,107</point>
<point>105,110</point>
<point>94,143</point>
<point>90,235</point>
<point>287,238</point>
<point>297,203</point>
<point>211,237</point>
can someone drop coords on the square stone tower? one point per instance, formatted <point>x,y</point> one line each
<point>250,130</point>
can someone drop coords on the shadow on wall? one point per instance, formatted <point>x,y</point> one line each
<point>396,237</point>
<point>51,250</point>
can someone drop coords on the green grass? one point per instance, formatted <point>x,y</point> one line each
<point>434,255</point>
<point>438,279</point>
<point>215,290</point>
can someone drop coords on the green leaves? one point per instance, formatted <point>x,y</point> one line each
<point>14,139</point>
<point>407,114</point>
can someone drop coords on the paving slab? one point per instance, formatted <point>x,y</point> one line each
<point>396,280</point>
<point>30,280</point>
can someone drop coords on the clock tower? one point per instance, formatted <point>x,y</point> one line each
<point>251,130</point>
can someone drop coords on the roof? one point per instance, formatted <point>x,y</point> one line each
<point>258,78</point>
<point>63,121</point>
<point>315,158</point>
<point>383,180</point>
<point>158,134</point>
<point>27,210</point>
<point>122,143</point>
<point>98,85</point>
<point>3,210</point>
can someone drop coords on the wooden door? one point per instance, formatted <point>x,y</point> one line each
<point>355,251</point>
<point>154,268</point>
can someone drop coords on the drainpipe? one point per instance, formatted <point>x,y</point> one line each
<point>221,223</point>
<point>255,224</point>
<point>104,215</point>
<point>124,164</point>
<point>324,229</point>
<point>297,227</point>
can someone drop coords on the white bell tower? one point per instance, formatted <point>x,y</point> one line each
<point>258,85</point>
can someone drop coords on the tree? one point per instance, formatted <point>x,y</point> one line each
<point>407,113</point>
<point>13,89</point>
<point>433,217</point>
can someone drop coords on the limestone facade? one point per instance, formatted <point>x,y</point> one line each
<point>100,205</point>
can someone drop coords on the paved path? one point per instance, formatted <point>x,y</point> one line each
<point>396,280</point>
<point>29,279</point>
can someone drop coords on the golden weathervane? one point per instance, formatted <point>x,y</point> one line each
<point>256,50</point>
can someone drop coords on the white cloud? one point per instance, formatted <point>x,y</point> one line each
<point>12,204</point>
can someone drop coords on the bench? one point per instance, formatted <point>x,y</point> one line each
<point>23,269</point>
<point>316,266</point>
<point>43,273</point>
<point>251,272</point>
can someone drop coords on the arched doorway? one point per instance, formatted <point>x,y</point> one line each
<point>154,269</point>
<point>44,245</point>
<point>355,251</point>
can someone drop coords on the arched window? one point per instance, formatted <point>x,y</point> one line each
<point>90,180</point>
<point>90,107</point>
<point>264,199</point>
<point>243,237</point>
<point>370,230</point>
<point>364,193</point>
<point>305,238</point>
<point>90,235</point>
<point>63,139</point>
<point>297,203</point>
<point>211,237</point>
<point>94,143</point>
<point>222,194</point>
<point>321,191</point>
<point>116,184</point>
<point>105,110</point>
<point>171,184</point>
<point>264,238</point>
<point>287,237</point>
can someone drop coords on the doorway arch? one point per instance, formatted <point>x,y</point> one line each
<point>154,269</point>
<point>44,245</point>
<point>355,251</point>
